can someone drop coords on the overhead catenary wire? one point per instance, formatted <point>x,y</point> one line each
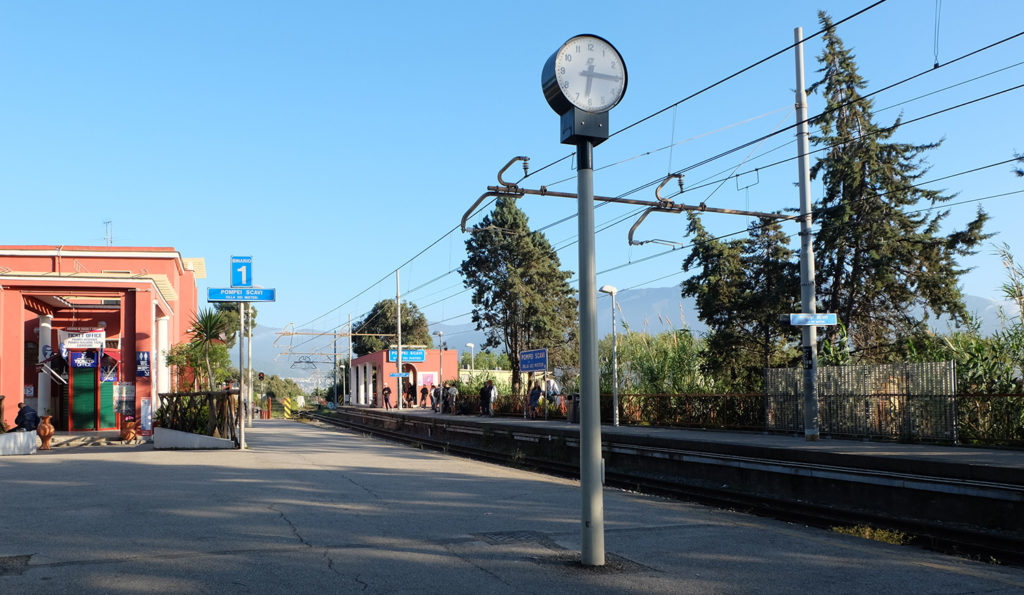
<point>538,170</point>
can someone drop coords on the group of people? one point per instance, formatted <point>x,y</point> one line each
<point>441,397</point>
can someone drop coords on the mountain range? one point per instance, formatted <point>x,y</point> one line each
<point>652,310</point>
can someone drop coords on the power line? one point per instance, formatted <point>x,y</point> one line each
<point>721,81</point>
<point>761,139</point>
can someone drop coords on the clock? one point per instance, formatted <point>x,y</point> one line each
<point>586,73</point>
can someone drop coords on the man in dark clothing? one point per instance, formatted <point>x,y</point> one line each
<point>27,419</point>
<point>385,395</point>
<point>485,398</point>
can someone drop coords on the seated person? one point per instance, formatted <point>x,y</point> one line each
<point>27,419</point>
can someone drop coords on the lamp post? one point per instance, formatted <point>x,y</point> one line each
<point>440,358</point>
<point>472,358</point>
<point>610,290</point>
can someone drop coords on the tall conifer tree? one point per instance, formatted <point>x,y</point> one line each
<point>741,287</point>
<point>879,259</point>
<point>521,297</point>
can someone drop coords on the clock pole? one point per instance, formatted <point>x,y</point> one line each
<point>582,81</point>
<point>592,551</point>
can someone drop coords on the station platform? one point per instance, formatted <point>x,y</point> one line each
<point>308,508</point>
<point>955,493</point>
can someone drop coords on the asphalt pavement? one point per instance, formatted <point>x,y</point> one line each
<point>308,509</point>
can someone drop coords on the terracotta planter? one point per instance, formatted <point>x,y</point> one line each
<point>45,431</point>
<point>128,430</point>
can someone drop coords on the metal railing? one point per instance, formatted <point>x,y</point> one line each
<point>212,413</point>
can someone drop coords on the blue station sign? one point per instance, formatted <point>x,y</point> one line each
<point>813,319</point>
<point>408,355</point>
<point>240,294</point>
<point>534,360</point>
<point>241,271</point>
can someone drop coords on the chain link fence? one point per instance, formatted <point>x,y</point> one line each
<point>908,402</point>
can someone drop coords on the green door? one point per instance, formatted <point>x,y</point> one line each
<point>107,419</point>
<point>83,398</point>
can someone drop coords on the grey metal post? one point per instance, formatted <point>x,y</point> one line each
<point>592,551</point>
<point>807,287</point>
<point>615,369</point>
<point>248,375</point>
<point>351,388</point>
<point>398,356</point>
<point>335,344</point>
<point>241,375</point>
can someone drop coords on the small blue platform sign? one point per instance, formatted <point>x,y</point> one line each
<point>534,360</point>
<point>408,355</point>
<point>813,319</point>
<point>241,271</point>
<point>397,375</point>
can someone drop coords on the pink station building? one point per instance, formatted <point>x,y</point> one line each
<point>371,372</point>
<point>84,330</point>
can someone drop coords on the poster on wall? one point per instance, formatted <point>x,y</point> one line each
<point>146,418</point>
<point>124,398</point>
<point>142,364</point>
<point>428,378</point>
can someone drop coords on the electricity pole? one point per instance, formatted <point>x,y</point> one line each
<point>807,287</point>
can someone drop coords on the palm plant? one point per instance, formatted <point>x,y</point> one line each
<point>208,325</point>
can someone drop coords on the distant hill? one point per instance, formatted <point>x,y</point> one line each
<point>652,310</point>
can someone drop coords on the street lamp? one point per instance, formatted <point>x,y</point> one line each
<point>472,357</point>
<point>615,358</point>
<point>440,359</point>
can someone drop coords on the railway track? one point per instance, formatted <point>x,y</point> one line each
<point>965,541</point>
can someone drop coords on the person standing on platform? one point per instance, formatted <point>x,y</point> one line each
<point>492,397</point>
<point>385,395</point>
<point>534,400</point>
<point>435,397</point>
<point>451,395</point>
<point>424,391</point>
<point>485,398</point>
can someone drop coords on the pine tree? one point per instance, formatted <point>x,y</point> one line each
<point>878,261</point>
<point>741,289</point>
<point>521,297</point>
<point>381,319</point>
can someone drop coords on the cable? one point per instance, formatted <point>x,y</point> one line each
<point>731,76</point>
<point>704,162</point>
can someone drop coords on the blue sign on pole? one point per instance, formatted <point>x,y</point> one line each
<point>397,375</point>
<point>813,319</point>
<point>241,271</point>
<point>240,294</point>
<point>408,355</point>
<point>535,360</point>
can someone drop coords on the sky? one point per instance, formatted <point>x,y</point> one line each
<point>338,142</point>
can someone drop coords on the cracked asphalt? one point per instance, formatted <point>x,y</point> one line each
<point>308,509</point>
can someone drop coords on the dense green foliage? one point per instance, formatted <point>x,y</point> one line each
<point>208,328</point>
<point>878,258</point>
<point>671,362</point>
<point>485,360</point>
<point>521,297</point>
<point>381,323</point>
<point>741,287</point>
<point>231,312</point>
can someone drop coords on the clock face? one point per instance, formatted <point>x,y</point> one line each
<point>590,73</point>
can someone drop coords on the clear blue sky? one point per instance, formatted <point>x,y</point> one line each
<point>332,141</point>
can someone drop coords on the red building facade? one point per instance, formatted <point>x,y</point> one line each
<point>84,330</point>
